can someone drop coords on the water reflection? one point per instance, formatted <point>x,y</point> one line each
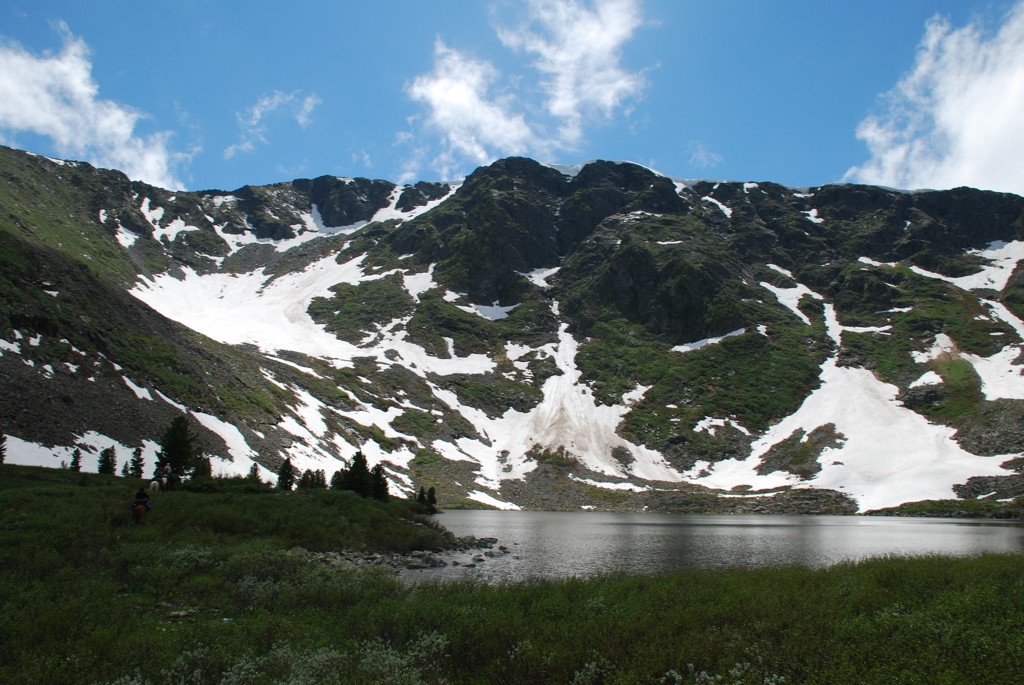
<point>559,544</point>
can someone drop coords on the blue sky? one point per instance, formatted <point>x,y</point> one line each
<point>198,95</point>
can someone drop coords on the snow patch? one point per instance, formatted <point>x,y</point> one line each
<point>629,487</point>
<point>875,464</point>
<point>27,453</point>
<point>539,277</point>
<point>711,424</point>
<point>491,312</point>
<point>140,392</point>
<point>6,346</point>
<point>241,455</point>
<point>1002,257</point>
<point>417,284</point>
<point>484,498</point>
<point>567,417</point>
<point>690,347</point>
<point>790,297</point>
<point>928,378</point>
<point>725,210</point>
<point>943,345</point>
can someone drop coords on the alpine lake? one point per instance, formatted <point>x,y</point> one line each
<point>536,544</point>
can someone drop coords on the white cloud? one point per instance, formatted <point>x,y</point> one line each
<point>575,54</point>
<point>955,119</point>
<point>304,114</point>
<point>702,157</point>
<point>56,97</point>
<point>578,51</point>
<point>472,120</point>
<point>362,157</point>
<point>252,122</point>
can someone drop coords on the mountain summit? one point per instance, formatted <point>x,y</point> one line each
<point>609,338</point>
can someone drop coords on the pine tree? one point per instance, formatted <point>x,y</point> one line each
<point>432,499</point>
<point>178,446</point>
<point>286,475</point>
<point>421,497</point>
<point>137,464</point>
<point>76,460</point>
<point>337,480</point>
<point>107,462</point>
<point>379,488</point>
<point>203,468</point>
<point>254,474</point>
<point>357,477</point>
<point>319,479</point>
<point>306,480</point>
<point>124,470</point>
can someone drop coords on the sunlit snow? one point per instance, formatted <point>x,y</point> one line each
<point>812,215</point>
<point>140,392</point>
<point>491,501</point>
<point>539,277</point>
<point>790,297</point>
<point>568,417</point>
<point>876,464</point>
<point>725,210</point>
<point>690,347</point>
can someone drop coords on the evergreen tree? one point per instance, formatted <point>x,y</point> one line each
<point>3,448</point>
<point>337,480</point>
<point>254,474</point>
<point>286,475</point>
<point>76,460</point>
<point>421,497</point>
<point>178,446</point>
<point>124,470</point>
<point>379,488</point>
<point>319,479</point>
<point>203,468</point>
<point>432,499</point>
<point>137,464</point>
<point>107,462</point>
<point>357,476</point>
<point>306,480</point>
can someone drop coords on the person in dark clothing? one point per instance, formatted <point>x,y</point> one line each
<point>140,505</point>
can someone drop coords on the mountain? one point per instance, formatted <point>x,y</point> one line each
<point>532,336</point>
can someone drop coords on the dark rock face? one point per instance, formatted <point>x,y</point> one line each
<point>420,194</point>
<point>923,396</point>
<point>498,224</point>
<point>991,487</point>
<point>344,202</point>
<point>998,429</point>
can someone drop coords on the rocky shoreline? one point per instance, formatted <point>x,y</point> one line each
<point>467,552</point>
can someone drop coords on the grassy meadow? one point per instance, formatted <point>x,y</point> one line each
<point>219,586</point>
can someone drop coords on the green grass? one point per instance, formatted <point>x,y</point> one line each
<point>934,307</point>
<point>355,311</point>
<point>211,589</point>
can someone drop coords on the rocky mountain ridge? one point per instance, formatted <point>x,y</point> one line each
<point>611,338</point>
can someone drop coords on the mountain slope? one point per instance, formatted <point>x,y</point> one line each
<point>611,338</point>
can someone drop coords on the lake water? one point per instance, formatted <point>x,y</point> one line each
<point>561,544</point>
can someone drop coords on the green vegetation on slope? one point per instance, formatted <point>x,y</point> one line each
<point>61,210</point>
<point>356,311</point>
<point>212,589</point>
